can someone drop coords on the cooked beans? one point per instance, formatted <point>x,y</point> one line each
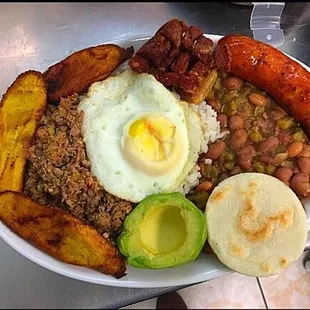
<point>294,149</point>
<point>247,125</point>
<point>245,157</point>
<point>304,165</point>
<point>284,174</point>
<point>276,115</point>
<point>216,149</point>
<point>258,99</point>
<point>266,159</point>
<point>300,184</point>
<point>204,186</point>
<point>269,145</point>
<point>305,152</point>
<point>233,83</point>
<point>238,139</point>
<point>235,171</point>
<point>261,137</point>
<point>215,104</point>
<point>222,118</point>
<point>235,122</point>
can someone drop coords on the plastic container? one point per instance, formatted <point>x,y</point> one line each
<point>265,22</point>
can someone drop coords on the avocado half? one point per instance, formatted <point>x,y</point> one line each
<point>164,230</point>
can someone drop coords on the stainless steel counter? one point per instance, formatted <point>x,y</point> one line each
<point>34,35</point>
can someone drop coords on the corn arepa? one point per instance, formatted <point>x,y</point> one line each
<point>256,224</point>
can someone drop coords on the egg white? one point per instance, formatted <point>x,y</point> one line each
<point>113,103</point>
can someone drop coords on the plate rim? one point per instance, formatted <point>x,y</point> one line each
<point>50,263</point>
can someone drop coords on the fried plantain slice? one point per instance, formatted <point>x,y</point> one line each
<point>59,234</point>
<point>20,111</point>
<point>78,71</point>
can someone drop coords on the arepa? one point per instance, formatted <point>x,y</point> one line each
<point>256,224</point>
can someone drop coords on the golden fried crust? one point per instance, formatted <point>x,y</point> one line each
<point>21,109</point>
<point>59,234</point>
<point>78,71</point>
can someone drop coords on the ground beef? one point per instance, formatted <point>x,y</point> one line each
<point>59,173</point>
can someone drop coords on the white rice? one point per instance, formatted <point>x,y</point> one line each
<point>211,132</point>
<point>209,123</point>
<point>190,181</point>
<point>208,161</point>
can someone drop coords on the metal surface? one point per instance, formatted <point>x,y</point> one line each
<point>34,35</point>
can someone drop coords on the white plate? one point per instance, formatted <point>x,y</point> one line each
<point>204,268</point>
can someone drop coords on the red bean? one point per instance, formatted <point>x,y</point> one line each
<point>204,186</point>
<point>235,122</point>
<point>266,159</point>
<point>222,118</point>
<point>284,174</point>
<point>235,171</point>
<point>232,83</point>
<point>247,125</point>
<point>215,104</point>
<point>258,99</point>
<point>304,165</point>
<point>300,184</point>
<point>269,145</point>
<point>294,149</point>
<point>216,149</point>
<point>276,115</point>
<point>305,152</point>
<point>238,139</point>
<point>245,156</point>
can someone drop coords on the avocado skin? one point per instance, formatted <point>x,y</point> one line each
<point>190,250</point>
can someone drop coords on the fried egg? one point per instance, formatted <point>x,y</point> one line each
<point>140,138</point>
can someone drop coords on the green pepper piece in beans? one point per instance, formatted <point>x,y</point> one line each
<point>207,170</point>
<point>230,165</point>
<point>228,97</point>
<point>228,156</point>
<point>256,136</point>
<point>299,136</point>
<point>259,110</point>
<point>281,149</point>
<point>288,164</point>
<point>285,122</point>
<point>230,108</point>
<point>245,90</point>
<point>240,100</point>
<point>259,167</point>
<point>270,169</point>
<point>214,172</point>
<point>243,105</point>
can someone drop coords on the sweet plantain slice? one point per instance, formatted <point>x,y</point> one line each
<point>20,111</point>
<point>60,234</point>
<point>78,71</point>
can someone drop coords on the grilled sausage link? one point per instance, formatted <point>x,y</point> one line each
<point>262,65</point>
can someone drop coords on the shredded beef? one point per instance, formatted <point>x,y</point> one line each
<point>59,171</point>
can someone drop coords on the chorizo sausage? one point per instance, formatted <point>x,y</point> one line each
<point>266,67</point>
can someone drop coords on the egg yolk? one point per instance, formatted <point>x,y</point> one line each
<point>152,144</point>
<point>153,137</point>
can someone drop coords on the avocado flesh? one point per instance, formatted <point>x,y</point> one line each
<point>164,230</point>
